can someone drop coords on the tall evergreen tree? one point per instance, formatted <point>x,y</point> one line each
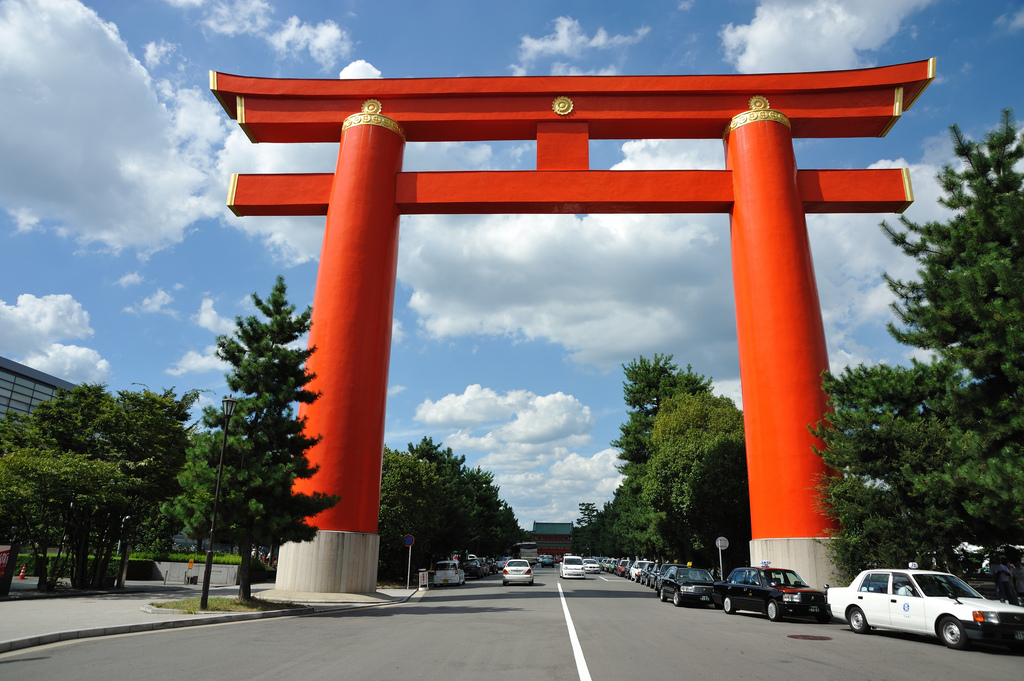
<point>267,444</point>
<point>943,443</point>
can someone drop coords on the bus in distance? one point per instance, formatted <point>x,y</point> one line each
<point>526,550</point>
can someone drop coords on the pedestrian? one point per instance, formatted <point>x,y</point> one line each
<point>1002,576</point>
<point>1018,581</point>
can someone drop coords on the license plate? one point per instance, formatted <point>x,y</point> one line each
<point>444,581</point>
<point>705,598</point>
<point>1019,635</point>
<point>814,608</point>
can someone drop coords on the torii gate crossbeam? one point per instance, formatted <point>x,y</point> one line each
<point>780,332</point>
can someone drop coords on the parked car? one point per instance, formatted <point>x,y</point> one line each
<point>687,586</point>
<point>662,571</point>
<point>475,569</point>
<point>775,592</point>
<point>571,567</point>
<point>929,603</point>
<point>449,573</point>
<point>591,566</point>
<point>647,575</point>
<point>499,564</point>
<point>517,571</point>
<point>635,568</point>
<point>622,569</point>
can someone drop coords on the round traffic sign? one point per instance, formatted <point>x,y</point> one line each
<point>409,540</point>
<point>722,543</point>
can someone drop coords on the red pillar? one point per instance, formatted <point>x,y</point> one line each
<point>780,332</point>
<point>351,325</point>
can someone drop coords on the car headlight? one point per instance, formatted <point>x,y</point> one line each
<point>687,589</point>
<point>986,616</point>
<point>792,598</point>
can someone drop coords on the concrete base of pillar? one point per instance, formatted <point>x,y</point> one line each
<point>332,567</point>
<point>808,556</point>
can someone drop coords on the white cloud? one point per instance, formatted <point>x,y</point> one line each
<point>531,443</point>
<point>359,69</point>
<point>70,362</point>
<point>31,328</point>
<point>157,53</point>
<point>396,389</point>
<point>814,35</point>
<point>569,40</point>
<point>208,319</point>
<point>157,302</point>
<point>25,219</point>
<point>91,176</point>
<point>397,333</point>
<point>1011,22</point>
<point>196,363</point>
<point>130,279</point>
<point>326,42</point>
<point>555,494</point>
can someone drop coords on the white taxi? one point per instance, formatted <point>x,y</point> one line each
<point>927,602</point>
<point>449,573</point>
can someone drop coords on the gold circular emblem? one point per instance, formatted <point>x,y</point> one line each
<point>371,106</point>
<point>758,102</point>
<point>562,106</point>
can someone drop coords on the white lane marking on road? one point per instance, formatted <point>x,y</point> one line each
<point>577,651</point>
<point>605,579</point>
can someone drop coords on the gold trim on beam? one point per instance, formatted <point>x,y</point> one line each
<point>373,119</point>
<point>908,190</point>
<point>897,111</point>
<point>232,188</point>
<point>759,111</point>
<point>216,93</point>
<point>931,76</point>
<point>240,107</point>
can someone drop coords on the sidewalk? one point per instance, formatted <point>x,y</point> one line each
<point>28,618</point>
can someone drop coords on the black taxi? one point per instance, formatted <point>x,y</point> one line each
<point>776,592</point>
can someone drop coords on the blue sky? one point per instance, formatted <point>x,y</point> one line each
<point>119,262</point>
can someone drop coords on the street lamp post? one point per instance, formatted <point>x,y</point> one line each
<point>229,409</point>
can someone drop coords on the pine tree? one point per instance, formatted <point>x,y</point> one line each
<point>944,442</point>
<point>267,444</point>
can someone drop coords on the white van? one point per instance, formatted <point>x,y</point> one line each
<point>449,573</point>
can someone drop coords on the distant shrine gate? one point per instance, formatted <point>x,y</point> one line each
<point>778,317</point>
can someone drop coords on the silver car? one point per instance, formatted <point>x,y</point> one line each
<point>518,571</point>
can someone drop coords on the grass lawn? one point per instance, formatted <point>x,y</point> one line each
<point>191,605</point>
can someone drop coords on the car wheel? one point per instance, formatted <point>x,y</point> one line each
<point>727,606</point>
<point>662,597</point>
<point>774,609</point>
<point>676,600</point>
<point>952,633</point>
<point>858,623</point>
<point>504,583</point>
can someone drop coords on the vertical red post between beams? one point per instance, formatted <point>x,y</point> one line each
<point>351,326</point>
<point>780,332</point>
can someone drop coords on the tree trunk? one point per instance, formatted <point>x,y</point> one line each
<point>244,576</point>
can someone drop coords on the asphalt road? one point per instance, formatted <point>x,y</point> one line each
<point>486,631</point>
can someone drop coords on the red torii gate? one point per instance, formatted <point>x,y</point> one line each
<point>781,337</point>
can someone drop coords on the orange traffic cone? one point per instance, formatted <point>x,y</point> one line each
<point>22,574</point>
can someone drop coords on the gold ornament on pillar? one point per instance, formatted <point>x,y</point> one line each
<point>371,115</point>
<point>562,106</point>
<point>759,111</point>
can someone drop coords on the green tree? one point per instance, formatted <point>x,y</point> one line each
<point>411,499</point>
<point>951,432</point>
<point>93,468</point>
<point>267,444</point>
<point>583,532</point>
<point>697,476</point>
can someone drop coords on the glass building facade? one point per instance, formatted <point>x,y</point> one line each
<point>22,387</point>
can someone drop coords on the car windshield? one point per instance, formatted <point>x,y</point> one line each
<point>945,586</point>
<point>446,566</point>
<point>694,575</point>
<point>518,564</point>
<point>572,560</point>
<point>784,578</point>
